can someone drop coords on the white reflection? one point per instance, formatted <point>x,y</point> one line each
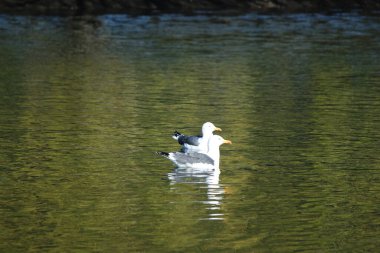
<point>206,179</point>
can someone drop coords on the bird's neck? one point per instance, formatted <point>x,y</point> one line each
<point>206,134</point>
<point>214,153</point>
<point>205,141</point>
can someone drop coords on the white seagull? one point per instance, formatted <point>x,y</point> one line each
<point>196,143</point>
<point>210,160</point>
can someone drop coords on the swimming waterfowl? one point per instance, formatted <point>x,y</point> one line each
<point>209,160</point>
<point>196,143</point>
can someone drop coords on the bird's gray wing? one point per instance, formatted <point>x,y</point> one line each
<point>185,158</point>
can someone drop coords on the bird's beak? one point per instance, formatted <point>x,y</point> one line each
<point>227,142</point>
<point>217,129</point>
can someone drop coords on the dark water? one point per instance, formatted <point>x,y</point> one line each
<point>85,103</point>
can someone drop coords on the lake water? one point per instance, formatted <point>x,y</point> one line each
<point>86,103</point>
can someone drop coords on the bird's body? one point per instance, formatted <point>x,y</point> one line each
<point>193,160</point>
<point>196,143</point>
<point>209,160</point>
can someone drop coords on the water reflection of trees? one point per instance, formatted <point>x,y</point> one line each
<point>83,98</point>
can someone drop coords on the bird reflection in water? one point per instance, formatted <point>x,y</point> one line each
<point>205,179</point>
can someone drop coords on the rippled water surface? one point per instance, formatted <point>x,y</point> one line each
<point>85,103</point>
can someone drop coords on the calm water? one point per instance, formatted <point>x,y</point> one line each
<point>84,104</point>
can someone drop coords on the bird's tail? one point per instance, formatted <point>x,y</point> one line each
<point>176,135</point>
<point>165,154</point>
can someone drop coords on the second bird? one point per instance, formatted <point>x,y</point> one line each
<point>196,143</point>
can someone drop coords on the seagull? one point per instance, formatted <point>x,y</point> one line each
<point>196,143</point>
<point>199,160</point>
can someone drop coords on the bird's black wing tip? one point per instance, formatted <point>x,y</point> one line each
<point>176,133</point>
<point>166,154</point>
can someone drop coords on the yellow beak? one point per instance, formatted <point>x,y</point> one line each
<point>217,129</point>
<point>227,142</point>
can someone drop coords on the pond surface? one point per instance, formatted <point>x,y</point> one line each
<point>86,103</point>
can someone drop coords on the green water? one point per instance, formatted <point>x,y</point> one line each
<point>85,103</point>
